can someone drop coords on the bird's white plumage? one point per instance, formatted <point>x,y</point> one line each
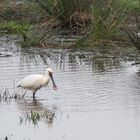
<point>34,82</point>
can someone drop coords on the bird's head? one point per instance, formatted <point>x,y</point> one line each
<point>49,70</point>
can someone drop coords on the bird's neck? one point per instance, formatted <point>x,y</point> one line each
<point>46,73</point>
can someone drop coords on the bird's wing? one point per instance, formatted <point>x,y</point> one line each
<point>30,81</point>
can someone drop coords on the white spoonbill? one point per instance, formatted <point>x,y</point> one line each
<point>34,82</point>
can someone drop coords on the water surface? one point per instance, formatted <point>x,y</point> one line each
<point>98,94</point>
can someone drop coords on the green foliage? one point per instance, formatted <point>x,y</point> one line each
<point>130,5</point>
<point>107,19</point>
<point>34,37</point>
<point>31,33</point>
<point>35,117</point>
<point>106,16</point>
<point>63,9</point>
<point>14,27</point>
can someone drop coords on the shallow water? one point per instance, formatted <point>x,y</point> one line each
<point>98,94</point>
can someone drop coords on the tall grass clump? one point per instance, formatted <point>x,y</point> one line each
<point>34,37</point>
<point>98,19</point>
<point>63,9</point>
<point>130,5</point>
<point>60,14</point>
<point>133,32</point>
<point>15,27</point>
<point>106,19</point>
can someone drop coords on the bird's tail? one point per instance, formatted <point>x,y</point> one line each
<point>18,84</point>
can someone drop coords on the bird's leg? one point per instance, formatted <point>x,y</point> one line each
<point>34,92</point>
<point>24,93</point>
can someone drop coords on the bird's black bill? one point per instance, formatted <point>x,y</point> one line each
<point>54,85</point>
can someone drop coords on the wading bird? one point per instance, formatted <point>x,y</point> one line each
<point>34,82</point>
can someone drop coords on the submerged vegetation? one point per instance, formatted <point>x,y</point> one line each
<point>6,96</point>
<point>89,22</point>
<point>34,117</point>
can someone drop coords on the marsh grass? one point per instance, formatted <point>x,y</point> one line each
<point>6,96</point>
<point>34,37</point>
<point>101,23</point>
<point>34,117</point>
<point>15,27</point>
<point>107,19</point>
<point>133,33</point>
<point>7,137</point>
<point>62,9</point>
<point>98,21</point>
<point>130,5</point>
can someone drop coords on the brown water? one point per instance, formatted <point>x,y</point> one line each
<point>98,96</point>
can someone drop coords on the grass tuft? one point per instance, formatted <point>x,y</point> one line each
<point>14,27</point>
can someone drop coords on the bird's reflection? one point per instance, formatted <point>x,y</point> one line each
<point>35,112</point>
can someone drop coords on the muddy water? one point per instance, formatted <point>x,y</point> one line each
<point>98,94</point>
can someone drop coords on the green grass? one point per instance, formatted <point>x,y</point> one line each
<point>107,19</point>
<point>63,9</point>
<point>34,37</point>
<point>130,5</point>
<point>14,27</point>
<point>106,15</point>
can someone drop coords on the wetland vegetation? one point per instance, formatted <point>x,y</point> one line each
<point>98,88</point>
<point>72,23</point>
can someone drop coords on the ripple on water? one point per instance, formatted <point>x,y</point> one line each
<point>89,87</point>
<point>85,84</point>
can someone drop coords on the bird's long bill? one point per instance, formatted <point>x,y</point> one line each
<point>54,85</point>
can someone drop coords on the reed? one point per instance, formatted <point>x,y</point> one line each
<point>130,5</point>
<point>107,19</point>
<point>63,9</point>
